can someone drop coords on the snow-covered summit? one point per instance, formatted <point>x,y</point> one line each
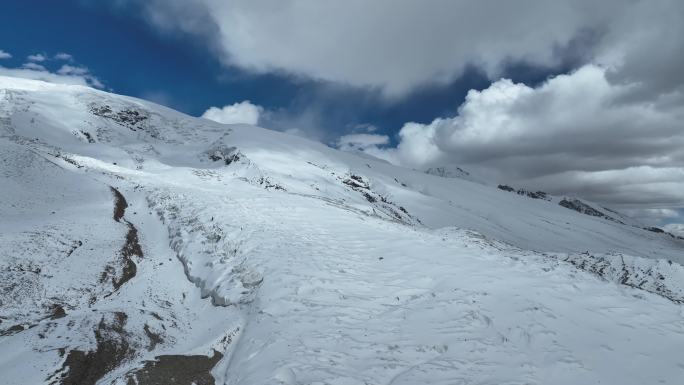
<point>140,244</point>
<point>454,172</point>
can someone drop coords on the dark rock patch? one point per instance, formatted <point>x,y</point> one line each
<point>176,370</point>
<point>447,172</point>
<point>534,194</point>
<point>270,185</point>
<point>73,248</point>
<point>12,330</point>
<point>155,338</point>
<point>581,207</point>
<point>130,248</point>
<point>128,117</point>
<point>362,186</point>
<point>131,245</point>
<point>68,159</point>
<point>523,192</point>
<point>120,204</point>
<point>369,197</point>
<point>658,230</point>
<point>87,368</point>
<point>356,182</point>
<point>653,276</point>
<point>57,311</point>
<point>88,136</point>
<point>227,155</point>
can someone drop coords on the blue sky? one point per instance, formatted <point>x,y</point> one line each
<point>130,57</point>
<point>592,108</point>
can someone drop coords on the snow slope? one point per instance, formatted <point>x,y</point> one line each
<point>140,245</point>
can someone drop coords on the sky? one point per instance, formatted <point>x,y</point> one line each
<point>575,97</point>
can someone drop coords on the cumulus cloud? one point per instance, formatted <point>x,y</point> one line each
<point>38,57</point>
<point>397,45</point>
<point>609,130</point>
<point>34,66</point>
<point>574,134</point>
<point>66,74</point>
<point>306,123</point>
<point>80,71</point>
<point>63,56</point>
<point>5,55</point>
<point>42,75</point>
<point>72,70</point>
<point>243,112</point>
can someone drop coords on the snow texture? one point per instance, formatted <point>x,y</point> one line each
<point>141,245</point>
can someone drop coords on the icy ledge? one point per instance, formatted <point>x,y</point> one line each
<point>658,276</point>
<point>213,256</point>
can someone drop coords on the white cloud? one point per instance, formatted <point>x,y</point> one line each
<point>63,56</point>
<point>42,75</point>
<point>243,112</point>
<point>38,57</point>
<point>66,74</point>
<point>574,134</point>
<point>398,45</point>
<point>361,142</point>
<point>33,66</point>
<point>610,130</point>
<point>72,70</point>
<point>80,71</point>
<point>5,55</point>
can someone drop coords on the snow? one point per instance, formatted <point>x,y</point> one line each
<point>301,264</point>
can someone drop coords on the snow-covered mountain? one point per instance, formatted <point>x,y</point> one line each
<point>141,245</point>
<point>451,172</point>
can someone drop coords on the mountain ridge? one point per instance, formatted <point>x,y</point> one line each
<point>269,258</point>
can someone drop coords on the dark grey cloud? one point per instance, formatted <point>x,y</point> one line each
<point>393,45</point>
<point>398,45</point>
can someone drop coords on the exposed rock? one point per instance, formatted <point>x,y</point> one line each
<point>88,367</point>
<point>581,207</point>
<point>131,118</point>
<point>226,154</point>
<point>530,194</point>
<point>131,245</point>
<point>444,172</point>
<point>176,370</point>
<point>660,277</point>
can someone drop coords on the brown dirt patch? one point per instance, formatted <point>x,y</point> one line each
<point>176,370</point>
<point>120,204</point>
